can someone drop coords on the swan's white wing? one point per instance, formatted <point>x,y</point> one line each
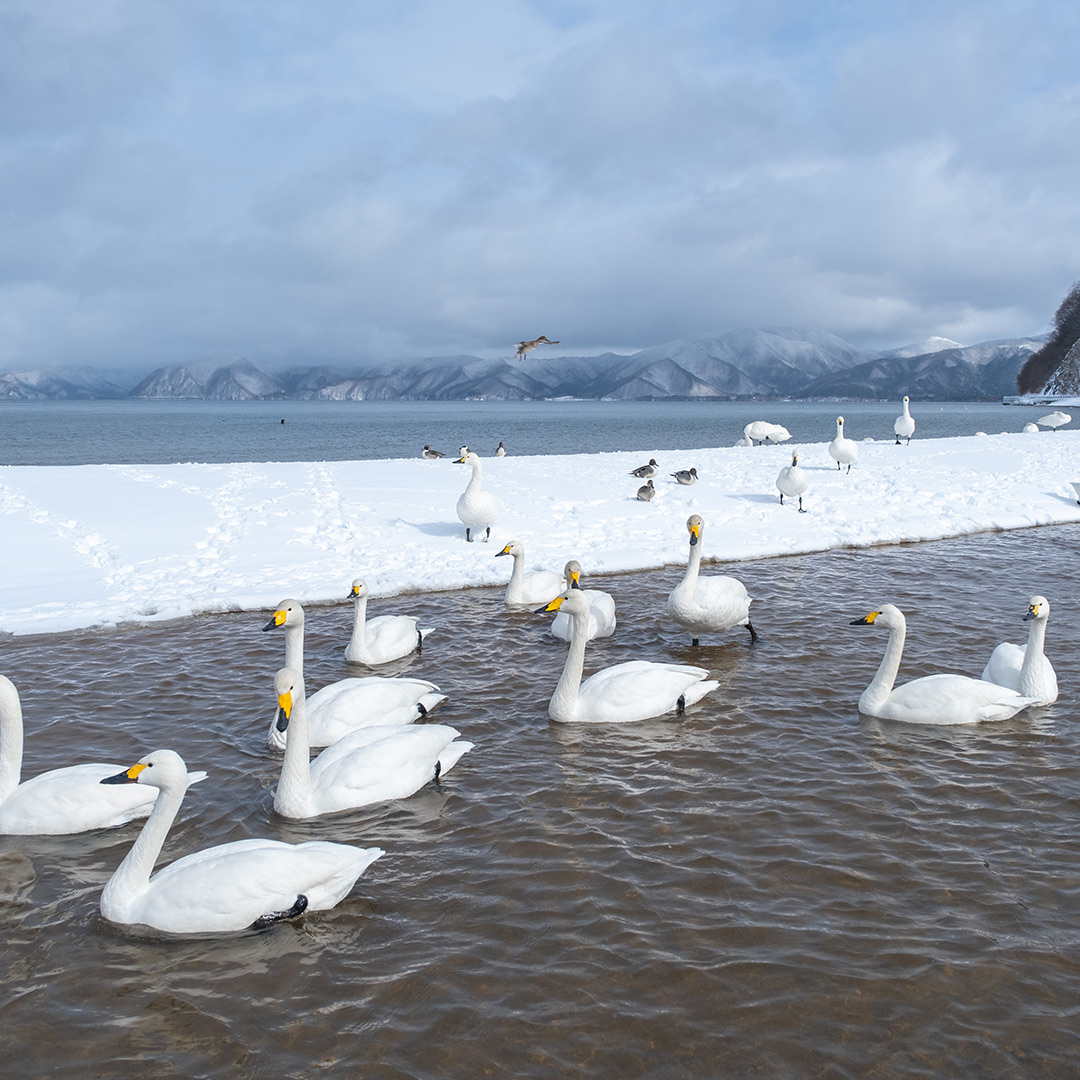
<point>638,690</point>
<point>390,637</point>
<point>1004,665</point>
<point>952,699</point>
<point>601,617</point>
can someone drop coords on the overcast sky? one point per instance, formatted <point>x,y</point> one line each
<point>343,180</point>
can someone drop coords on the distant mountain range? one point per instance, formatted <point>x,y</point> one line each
<point>740,365</point>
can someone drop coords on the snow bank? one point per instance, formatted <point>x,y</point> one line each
<point>96,545</point>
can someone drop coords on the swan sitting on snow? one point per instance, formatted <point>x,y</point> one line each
<point>369,765</point>
<point>347,704</point>
<point>238,886</point>
<point>1054,420</point>
<point>934,699</point>
<point>636,690</point>
<point>708,605</point>
<point>792,482</point>
<point>384,638</point>
<point>842,450</point>
<point>904,424</point>
<point>535,587</point>
<point>476,507</point>
<point>601,608</point>
<point>1025,668</point>
<point>760,431</point>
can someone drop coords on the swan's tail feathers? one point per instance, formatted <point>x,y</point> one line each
<point>422,636</point>
<point>451,755</point>
<point>272,917</point>
<point>693,694</point>
<point>430,702</point>
<point>196,777</point>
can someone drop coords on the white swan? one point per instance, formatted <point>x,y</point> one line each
<point>1054,420</point>
<point>535,587</point>
<point>708,605</point>
<point>1025,668</point>
<point>476,507</point>
<point>904,424</point>
<point>636,690</point>
<point>933,699</point>
<point>601,608</point>
<point>343,706</point>
<point>370,765</point>
<point>842,450</point>
<point>760,431</point>
<point>245,884</point>
<point>384,638</point>
<point>61,801</point>
<point>792,482</point>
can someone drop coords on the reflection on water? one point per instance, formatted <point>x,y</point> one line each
<point>769,885</point>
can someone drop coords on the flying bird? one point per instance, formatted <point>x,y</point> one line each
<point>527,346</point>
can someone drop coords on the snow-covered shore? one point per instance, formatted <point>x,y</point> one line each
<point>101,544</point>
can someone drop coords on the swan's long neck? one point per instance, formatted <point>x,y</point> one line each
<point>477,478</point>
<point>877,693</point>
<point>11,739</point>
<point>1031,670</point>
<point>294,784</point>
<point>907,413</point>
<point>358,641</point>
<point>517,577</point>
<point>294,648</point>
<point>564,701</point>
<point>693,566</point>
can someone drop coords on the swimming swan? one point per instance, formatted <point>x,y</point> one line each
<point>476,507</point>
<point>933,699</point>
<point>372,764</point>
<point>601,608</point>
<point>636,690</point>
<point>708,605</point>
<point>245,884</point>
<point>1025,668</point>
<point>61,801</point>
<point>348,704</point>
<point>842,450</point>
<point>904,424</point>
<point>535,587</point>
<point>384,638</point>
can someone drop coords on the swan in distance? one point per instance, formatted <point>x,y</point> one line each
<point>1025,668</point>
<point>535,587</point>
<point>686,476</point>
<point>347,704</point>
<point>476,508</point>
<point>369,765</point>
<point>904,424</point>
<point>601,608</point>
<point>708,605</point>
<point>238,886</point>
<point>384,638</point>
<point>761,431</point>
<point>1054,420</point>
<point>842,450</point>
<point>933,699</point>
<point>792,482</point>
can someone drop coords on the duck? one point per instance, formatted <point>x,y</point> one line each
<point>384,638</point>
<point>708,605</point>
<point>535,587</point>
<point>646,492</point>
<point>842,450</point>
<point>60,802</point>
<point>500,450</point>
<point>624,693</point>
<point>904,424</point>
<point>761,431</point>
<point>430,454</point>
<point>685,476</point>
<point>933,699</point>
<point>248,884</point>
<point>1025,668</point>
<point>343,706</point>
<point>792,482</point>
<point>1054,420</point>
<point>524,347</point>
<point>646,472</point>
<point>369,765</point>
<point>601,608</point>
<point>476,508</point>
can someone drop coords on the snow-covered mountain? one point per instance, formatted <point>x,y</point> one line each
<point>237,381</point>
<point>71,384</point>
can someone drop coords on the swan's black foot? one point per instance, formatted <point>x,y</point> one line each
<point>801,510</point>
<point>680,705</point>
<point>487,535</point>
<point>753,632</point>
<point>694,641</point>
<point>468,536</point>
<point>272,917</point>
<point>438,770</point>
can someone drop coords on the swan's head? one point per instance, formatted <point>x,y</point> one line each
<point>289,688</point>
<point>839,423</point>
<point>888,615</point>
<point>161,769</point>
<point>1038,608</point>
<point>288,613</point>
<point>572,601</point>
<point>794,460</point>
<point>359,589</point>
<point>572,572</point>
<point>467,457</point>
<point>513,548</point>
<point>906,399</point>
<point>694,525</point>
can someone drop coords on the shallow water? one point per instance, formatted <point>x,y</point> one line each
<point>769,885</point>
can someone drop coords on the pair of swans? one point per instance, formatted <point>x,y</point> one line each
<point>343,706</point>
<point>842,450</point>
<point>384,638</point>
<point>476,508</point>
<point>933,699</point>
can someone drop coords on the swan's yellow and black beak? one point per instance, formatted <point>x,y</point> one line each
<point>278,620</point>
<point>459,460</point>
<point>128,776</point>
<point>695,534</point>
<point>285,705</point>
<point>505,551</point>
<point>575,581</point>
<point>351,595</point>
<point>553,606</point>
<point>866,620</point>
<point>1032,613</point>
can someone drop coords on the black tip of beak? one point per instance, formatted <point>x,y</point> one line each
<point>858,622</point>
<point>270,625</point>
<point>282,720</point>
<point>119,778</point>
<point>540,610</point>
<point>693,540</point>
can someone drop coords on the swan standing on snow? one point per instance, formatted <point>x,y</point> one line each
<point>1054,420</point>
<point>904,424</point>
<point>1025,668</point>
<point>238,886</point>
<point>370,765</point>
<point>347,704</point>
<point>934,699</point>
<point>792,482</point>
<point>535,587</point>
<point>384,638</point>
<point>476,507</point>
<point>842,450</point>
<point>62,801</point>
<point>708,605</point>
<point>636,690</point>
<point>601,608</point>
